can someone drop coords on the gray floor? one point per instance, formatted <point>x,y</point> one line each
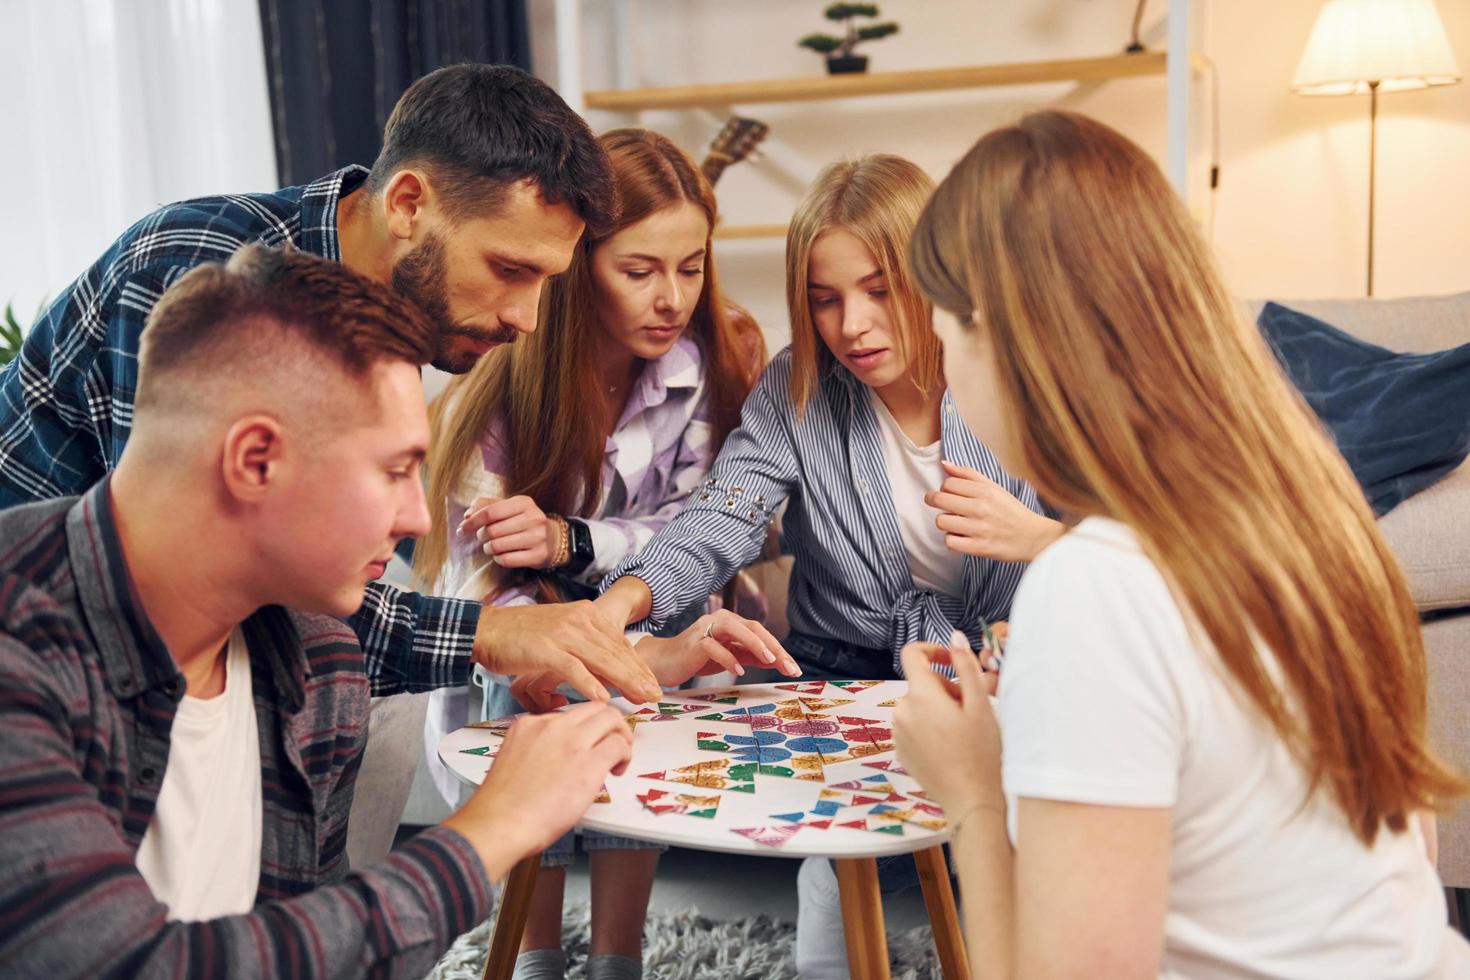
<point>731,886</point>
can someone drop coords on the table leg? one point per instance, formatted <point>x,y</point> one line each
<point>510,923</point>
<point>862,918</point>
<point>949,938</point>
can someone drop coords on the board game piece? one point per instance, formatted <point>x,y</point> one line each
<point>888,765</point>
<point>711,774</point>
<point>853,687</point>
<point>495,726</point>
<point>804,687</point>
<point>774,836</point>
<point>725,696</point>
<point>660,802</point>
<point>488,750</point>
<point>877,827</point>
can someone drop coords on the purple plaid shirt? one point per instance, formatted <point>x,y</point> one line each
<point>658,452</point>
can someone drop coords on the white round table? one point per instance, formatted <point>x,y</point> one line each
<point>791,769</point>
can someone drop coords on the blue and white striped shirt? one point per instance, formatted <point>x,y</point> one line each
<point>851,579</point>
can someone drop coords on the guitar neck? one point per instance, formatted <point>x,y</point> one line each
<point>714,165</point>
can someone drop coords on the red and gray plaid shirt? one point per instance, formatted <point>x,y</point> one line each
<point>88,694</point>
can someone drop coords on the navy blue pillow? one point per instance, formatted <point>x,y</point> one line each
<point>1402,421</point>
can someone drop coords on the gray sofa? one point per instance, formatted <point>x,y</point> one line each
<point>1430,533</point>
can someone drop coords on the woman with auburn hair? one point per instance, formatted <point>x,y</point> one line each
<point>851,427</point>
<point>569,449</point>
<point>1213,699</point>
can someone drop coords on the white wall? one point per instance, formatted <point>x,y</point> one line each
<point>111,108</point>
<point>1290,215</point>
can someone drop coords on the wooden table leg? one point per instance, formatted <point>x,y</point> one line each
<point>862,918</point>
<point>510,923</point>
<point>949,938</point>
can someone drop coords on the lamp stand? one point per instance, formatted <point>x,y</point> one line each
<point>1372,171</point>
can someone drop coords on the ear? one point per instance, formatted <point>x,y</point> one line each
<point>406,201</point>
<point>251,463</point>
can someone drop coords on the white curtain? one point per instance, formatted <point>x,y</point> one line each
<point>112,108</point>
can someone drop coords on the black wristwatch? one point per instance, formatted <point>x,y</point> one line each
<point>579,547</point>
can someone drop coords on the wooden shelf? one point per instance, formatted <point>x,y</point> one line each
<point>883,83</point>
<point>728,232</point>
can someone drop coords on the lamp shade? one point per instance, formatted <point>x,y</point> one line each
<point>1399,44</point>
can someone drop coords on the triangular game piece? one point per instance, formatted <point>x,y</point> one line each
<point>776,836</point>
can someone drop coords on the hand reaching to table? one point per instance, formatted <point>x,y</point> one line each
<point>545,777</point>
<point>571,641</point>
<point>720,641</point>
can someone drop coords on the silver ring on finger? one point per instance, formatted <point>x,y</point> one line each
<point>709,631</point>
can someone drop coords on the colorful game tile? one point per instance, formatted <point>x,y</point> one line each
<point>662,803</point>
<point>890,703</point>
<point>729,695</point>
<point>774,836</point>
<point>603,795</point>
<point>486,750</point>
<point>495,726</point>
<point>878,827</point>
<point>853,687</point>
<point>711,774</point>
<point>888,765</point>
<point>805,687</point>
<point>737,715</point>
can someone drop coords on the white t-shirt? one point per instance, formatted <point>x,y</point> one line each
<point>1106,699</point>
<point>912,472</point>
<point>201,852</point>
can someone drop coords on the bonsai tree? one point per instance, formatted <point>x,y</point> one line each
<point>839,48</point>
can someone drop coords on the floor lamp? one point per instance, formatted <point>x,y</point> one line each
<point>1373,46</point>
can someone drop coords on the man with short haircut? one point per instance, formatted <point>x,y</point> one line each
<point>183,715</point>
<point>483,188</point>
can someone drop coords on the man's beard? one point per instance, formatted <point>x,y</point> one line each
<point>422,276</point>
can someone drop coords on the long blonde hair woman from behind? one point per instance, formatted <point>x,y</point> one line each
<point>1214,694</point>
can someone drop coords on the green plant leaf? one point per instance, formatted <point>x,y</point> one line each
<point>842,11</point>
<point>820,43</point>
<point>875,31</point>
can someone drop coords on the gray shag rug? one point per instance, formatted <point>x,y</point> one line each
<point>688,946</point>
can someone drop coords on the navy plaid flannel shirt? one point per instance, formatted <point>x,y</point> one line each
<point>66,403</point>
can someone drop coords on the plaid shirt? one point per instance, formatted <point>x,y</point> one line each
<point>66,403</point>
<point>88,694</point>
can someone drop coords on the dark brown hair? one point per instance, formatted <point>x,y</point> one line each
<point>211,315</point>
<point>478,129</point>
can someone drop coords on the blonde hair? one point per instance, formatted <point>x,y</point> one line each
<point>1136,390</point>
<point>877,199</point>
<point>545,386</point>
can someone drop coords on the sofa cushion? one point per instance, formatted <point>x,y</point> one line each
<point>1430,532</point>
<point>1402,421</point>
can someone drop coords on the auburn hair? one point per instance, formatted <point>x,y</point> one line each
<point>1136,390</point>
<point>878,199</point>
<point>545,389</point>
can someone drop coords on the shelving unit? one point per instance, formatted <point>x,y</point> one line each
<point>808,89</point>
<point>1178,64</point>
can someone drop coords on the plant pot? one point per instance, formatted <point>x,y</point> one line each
<point>847,65</point>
